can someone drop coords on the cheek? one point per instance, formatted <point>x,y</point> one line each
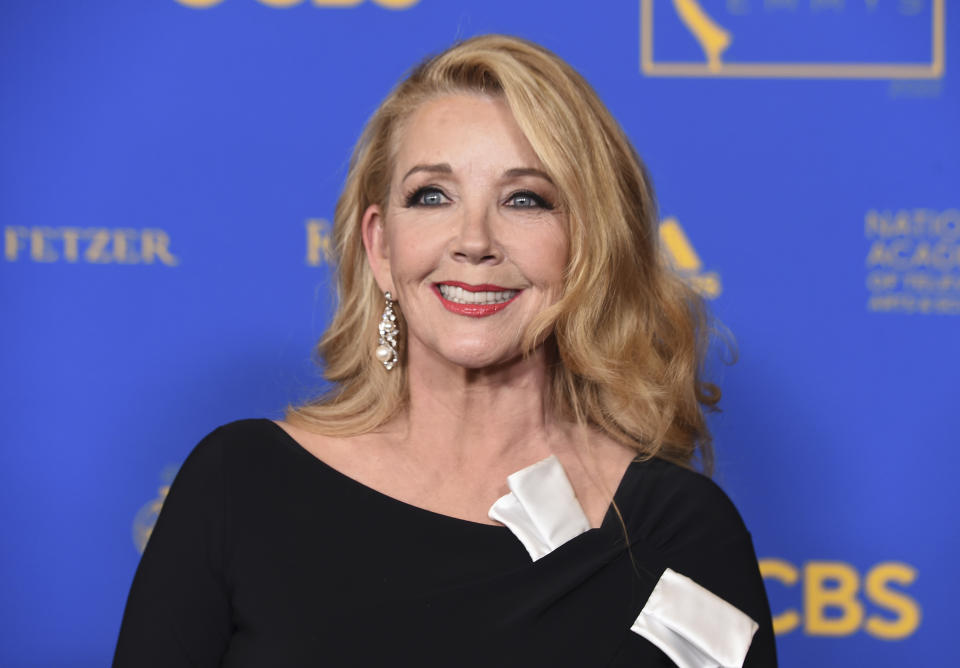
<point>551,259</point>
<point>410,256</point>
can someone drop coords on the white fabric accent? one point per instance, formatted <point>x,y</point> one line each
<point>541,508</point>
<point>693,626</point>
<point>689,623</point>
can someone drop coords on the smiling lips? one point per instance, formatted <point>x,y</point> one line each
<point>476,301</point>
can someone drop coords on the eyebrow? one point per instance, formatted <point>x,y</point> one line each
<point>528,171</point>
<point>445,168</point>
<point>441,168</point>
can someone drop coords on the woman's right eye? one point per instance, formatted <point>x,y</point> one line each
<point>427,196</point>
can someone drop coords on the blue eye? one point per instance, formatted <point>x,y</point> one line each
<point>427,196</point>
<point>525,199</point>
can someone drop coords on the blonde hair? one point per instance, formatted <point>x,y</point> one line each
<point>630,337</point>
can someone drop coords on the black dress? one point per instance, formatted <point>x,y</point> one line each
<point>263,555</point>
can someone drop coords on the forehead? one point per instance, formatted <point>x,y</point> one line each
<point>466,131</point>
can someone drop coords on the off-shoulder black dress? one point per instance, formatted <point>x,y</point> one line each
<point>263,555</point>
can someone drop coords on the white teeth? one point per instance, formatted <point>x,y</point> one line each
<point>458,295</point>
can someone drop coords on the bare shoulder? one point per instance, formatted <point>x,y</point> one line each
<point>299,434</point>
<point>330,449</point>
<point>363,457</point>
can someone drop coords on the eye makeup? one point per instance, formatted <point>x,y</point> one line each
<point>431,196</point>
<point>538,201</point>
<point>425,196</point>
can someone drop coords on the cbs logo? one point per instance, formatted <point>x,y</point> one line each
<point>834,587</point>
<point>389,4</point>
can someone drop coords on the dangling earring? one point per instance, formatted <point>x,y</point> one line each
<point>387,350</point>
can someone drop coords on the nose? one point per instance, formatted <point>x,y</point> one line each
<point>475,241</point>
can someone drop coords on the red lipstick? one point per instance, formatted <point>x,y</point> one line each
<point>474,310</point>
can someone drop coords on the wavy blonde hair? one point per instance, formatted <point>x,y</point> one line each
<point>630,337</point>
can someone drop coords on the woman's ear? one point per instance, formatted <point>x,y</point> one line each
<point>378,250</point>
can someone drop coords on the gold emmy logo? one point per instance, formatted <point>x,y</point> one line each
<point>89,245</point>
<point>714,39</point>
<point>685,260</point>
<point>283,4</point>
<point>835,586</point>
<point>146,517</point>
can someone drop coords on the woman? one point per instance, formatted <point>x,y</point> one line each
<point>501,475</point>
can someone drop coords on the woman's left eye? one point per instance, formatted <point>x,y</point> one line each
<point>527,200</point>
<point>432,198</point>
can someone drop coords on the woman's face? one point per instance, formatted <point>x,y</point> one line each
<point>471,244</point>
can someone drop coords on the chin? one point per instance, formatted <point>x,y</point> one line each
<point>474,362</point>
<point>478,359</point>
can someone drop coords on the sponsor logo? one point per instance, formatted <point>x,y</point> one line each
<point>793,39</point>
<point>319,242</point>
<point>834,600</point>
<point>88,245</point>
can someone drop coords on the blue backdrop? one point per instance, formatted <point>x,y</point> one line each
<point>168,170</point>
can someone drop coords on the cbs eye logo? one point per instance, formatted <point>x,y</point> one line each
<point>280,4</point>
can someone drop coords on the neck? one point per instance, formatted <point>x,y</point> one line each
<point>477,418</point>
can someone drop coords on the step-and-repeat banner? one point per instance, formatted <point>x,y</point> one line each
<point>168,171</point>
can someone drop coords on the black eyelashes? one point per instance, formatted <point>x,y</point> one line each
<point>416,198</point>
<point>540,201</point>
